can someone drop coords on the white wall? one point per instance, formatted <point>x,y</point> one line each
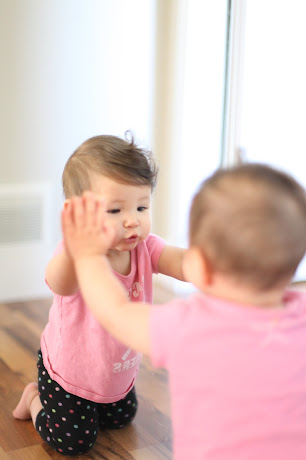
<point>70,69</point>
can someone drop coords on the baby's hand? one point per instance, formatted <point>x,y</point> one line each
<point>83,225</point>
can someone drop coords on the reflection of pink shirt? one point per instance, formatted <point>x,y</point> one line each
<point>237,377</point>
<point>79,354</point>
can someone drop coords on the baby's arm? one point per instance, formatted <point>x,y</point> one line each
<point>170,262</point>
<point>60,274</point>
<point>87,241</point>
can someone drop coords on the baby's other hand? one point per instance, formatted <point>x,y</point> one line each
<point>84,229</point>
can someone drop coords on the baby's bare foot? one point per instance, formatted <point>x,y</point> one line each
<point>22,410</point>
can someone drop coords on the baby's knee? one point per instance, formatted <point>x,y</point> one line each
<point>71,441</point>
<point>76,447</point>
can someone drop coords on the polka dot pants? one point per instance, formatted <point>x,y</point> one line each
<point>70,424</point>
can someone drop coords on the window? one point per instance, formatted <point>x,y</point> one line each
<point>273,100</point>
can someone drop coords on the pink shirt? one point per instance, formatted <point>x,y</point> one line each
<point>237,377</point>
<point>79,354</point>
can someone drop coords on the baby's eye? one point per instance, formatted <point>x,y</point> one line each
<point>113,211</point>
<point>141,208</point>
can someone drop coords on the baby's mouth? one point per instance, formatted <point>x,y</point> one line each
<point>131,239</point>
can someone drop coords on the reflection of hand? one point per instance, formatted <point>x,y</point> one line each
<point>84,227</point>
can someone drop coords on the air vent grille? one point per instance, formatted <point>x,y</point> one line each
<point>20,218</point>
<point>25,213</point>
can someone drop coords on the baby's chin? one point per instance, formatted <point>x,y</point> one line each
<point>126,245</point>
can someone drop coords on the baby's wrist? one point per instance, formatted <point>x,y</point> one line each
<point>87,262</point>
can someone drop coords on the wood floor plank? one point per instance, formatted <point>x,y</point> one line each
<point>15,356</point>
<point>14,434</point>
<point>157,380</point>
<point>156,452</point>
<point>131,437</point>
<point>109,449</point>
<point>27,453</point>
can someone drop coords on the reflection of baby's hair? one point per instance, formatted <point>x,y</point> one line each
<point>250,222</point>
<point>119,159</point>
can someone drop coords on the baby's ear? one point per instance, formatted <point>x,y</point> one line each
<point>197,269</point>
<point>66,203</point>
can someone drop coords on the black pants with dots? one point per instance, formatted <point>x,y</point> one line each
<point>70,424</point>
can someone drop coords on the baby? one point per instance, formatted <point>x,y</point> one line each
<point>235,350</point>
<point>86,377</point>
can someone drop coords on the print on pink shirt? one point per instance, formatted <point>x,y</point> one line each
<point>127,363</point>
<point>136,289</point>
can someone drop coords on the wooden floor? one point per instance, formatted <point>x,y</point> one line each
<point>147,438</point>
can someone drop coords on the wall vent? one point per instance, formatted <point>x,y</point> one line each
<point>26,241</point>
<point>21,219</point>
<point>23,211</point>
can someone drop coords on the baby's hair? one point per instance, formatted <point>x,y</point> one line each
<point>119,159</point>
<point>250,222</point>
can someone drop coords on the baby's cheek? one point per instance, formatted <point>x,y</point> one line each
<point>115,232</point>
<point>146,229</point>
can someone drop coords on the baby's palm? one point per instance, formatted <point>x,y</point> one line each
<point>84,229</point>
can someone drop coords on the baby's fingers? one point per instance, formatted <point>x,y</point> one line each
<point>100,214</point>
<point>76,208</point>
<point>103,224</point>
<point>68,227</point>
<point>90,209</point>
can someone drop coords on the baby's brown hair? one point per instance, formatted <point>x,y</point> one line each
<point>250,223</point>
<point>111,156</point>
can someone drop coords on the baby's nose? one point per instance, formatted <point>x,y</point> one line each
<point>131,221</point>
